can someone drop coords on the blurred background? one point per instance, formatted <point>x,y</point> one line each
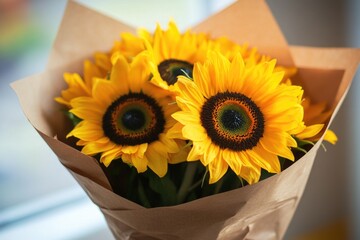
<point>40,200</point>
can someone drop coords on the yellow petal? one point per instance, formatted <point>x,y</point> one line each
<point>102,60</point>
<point>120,71</point>
<point>176,131</point>
<point>157,162</point>
<point>105,92</point>
<point>330,136</point>
<point>185,117</point>
<point>194,132</point>
<point>212,153</point>
<point>87,131</point>
<point>195,153</point>
<point>233,159</point>
<point>276,144</point>
<point>86,102</point>
<point>91,71</point>
<point>217,170</point>
<point>169,144</point>
<point>236,72</point>
<point>218,70</point>
<point>93,148</point>
<point>88,114</point>
<point>108,156</point>
<point>264,159</point>
<point>139,73</point>
<point>140,163</point>
<point>190,91</point>
<point>201,78</point>
<point>251,175</point>
<point>130,149</point>
<point>181,155</point>
<point>310,131</point>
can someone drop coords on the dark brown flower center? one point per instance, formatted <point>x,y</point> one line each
<point>133,119</point>
<point>170,69</point>
<point>233,121</point>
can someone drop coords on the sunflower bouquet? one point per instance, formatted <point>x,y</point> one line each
<point>191,135</point>
<point>179,116</point>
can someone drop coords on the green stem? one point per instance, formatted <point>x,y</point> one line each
<point>195,185</point>
<point>186,184</point>
<point>323,146</point>
<point>204,177</point>
<point>242,182</point>
<point>301,150</point>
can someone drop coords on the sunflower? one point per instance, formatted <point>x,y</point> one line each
<point>314,118</point>
<point>237,116</point>
<point>315,115</point>
<point>174,54</point>
<point>127,117</point>
<point>130,45</point>
<point>78,85</point>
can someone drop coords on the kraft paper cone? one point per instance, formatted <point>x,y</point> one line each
<point>260,211</point>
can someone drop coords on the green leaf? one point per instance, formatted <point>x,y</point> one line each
<point>164,187</point>
<point>73,118</point>
<point>143,196</point>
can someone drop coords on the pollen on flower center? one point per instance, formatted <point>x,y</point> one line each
<point>133,119</point>
<point>170,69</point>
<point>233,121</point>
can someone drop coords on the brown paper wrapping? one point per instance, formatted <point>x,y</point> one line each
<point>260,211</point>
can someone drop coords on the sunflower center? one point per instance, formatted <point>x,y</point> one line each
<point>233,121</point>
<point>133,119</point>
<point>170,69</point>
